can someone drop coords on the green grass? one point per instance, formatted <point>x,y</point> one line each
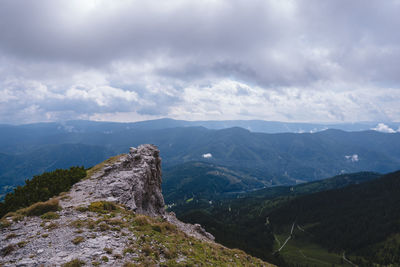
<point>300,250</point>
<point>51,215</point>
<point>102,207</point>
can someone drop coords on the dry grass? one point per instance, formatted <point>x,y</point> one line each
<point>51,215</point>
<point>141,220</point>
<point>4,223</point>
<point>40,208</point>
<point>100,166</point>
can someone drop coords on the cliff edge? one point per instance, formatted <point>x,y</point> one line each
<point>115,216</point>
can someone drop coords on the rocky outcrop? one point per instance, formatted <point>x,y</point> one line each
<point>135,181</point>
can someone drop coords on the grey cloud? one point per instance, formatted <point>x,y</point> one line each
<point>159,58</point>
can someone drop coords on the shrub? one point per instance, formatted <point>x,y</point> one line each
<point>41,188</point>
<point>104,258</point>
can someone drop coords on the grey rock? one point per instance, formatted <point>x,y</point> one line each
<point>135,181</point>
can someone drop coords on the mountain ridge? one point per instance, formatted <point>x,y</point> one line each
<point>100,221</point>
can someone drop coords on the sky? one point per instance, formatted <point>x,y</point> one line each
<point>282,60</point>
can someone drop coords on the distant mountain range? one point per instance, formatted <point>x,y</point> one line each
<point>269,159</point>
<point>261,126</point>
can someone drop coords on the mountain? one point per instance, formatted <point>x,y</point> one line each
<point>113,217</point>
<point>273,159</point>
<point>261,126</point>
<point>351,217</point>
<point>204,180</point>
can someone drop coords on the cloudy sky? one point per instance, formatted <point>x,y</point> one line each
<point>311,61</point>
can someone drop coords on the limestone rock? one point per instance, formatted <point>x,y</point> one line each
<point>135,181</point>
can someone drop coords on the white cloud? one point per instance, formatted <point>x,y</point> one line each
<point>258,59</point>
<point>352,158</point>
<point>207,155</point>
<point>381,127</point>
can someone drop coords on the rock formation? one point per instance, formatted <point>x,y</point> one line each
<point>135,181</point>
<point>98,223</point>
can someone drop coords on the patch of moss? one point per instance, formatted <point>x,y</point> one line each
<point>81,208</point>
<point>22,244</point>
<point>51,215</point>
<point>78,239</point>
<point>104,258</point>
<point>77,223</point>
<point>102,207</point>
<point>51,226</point>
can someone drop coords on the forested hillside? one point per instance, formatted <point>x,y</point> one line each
<point>356,213</point>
